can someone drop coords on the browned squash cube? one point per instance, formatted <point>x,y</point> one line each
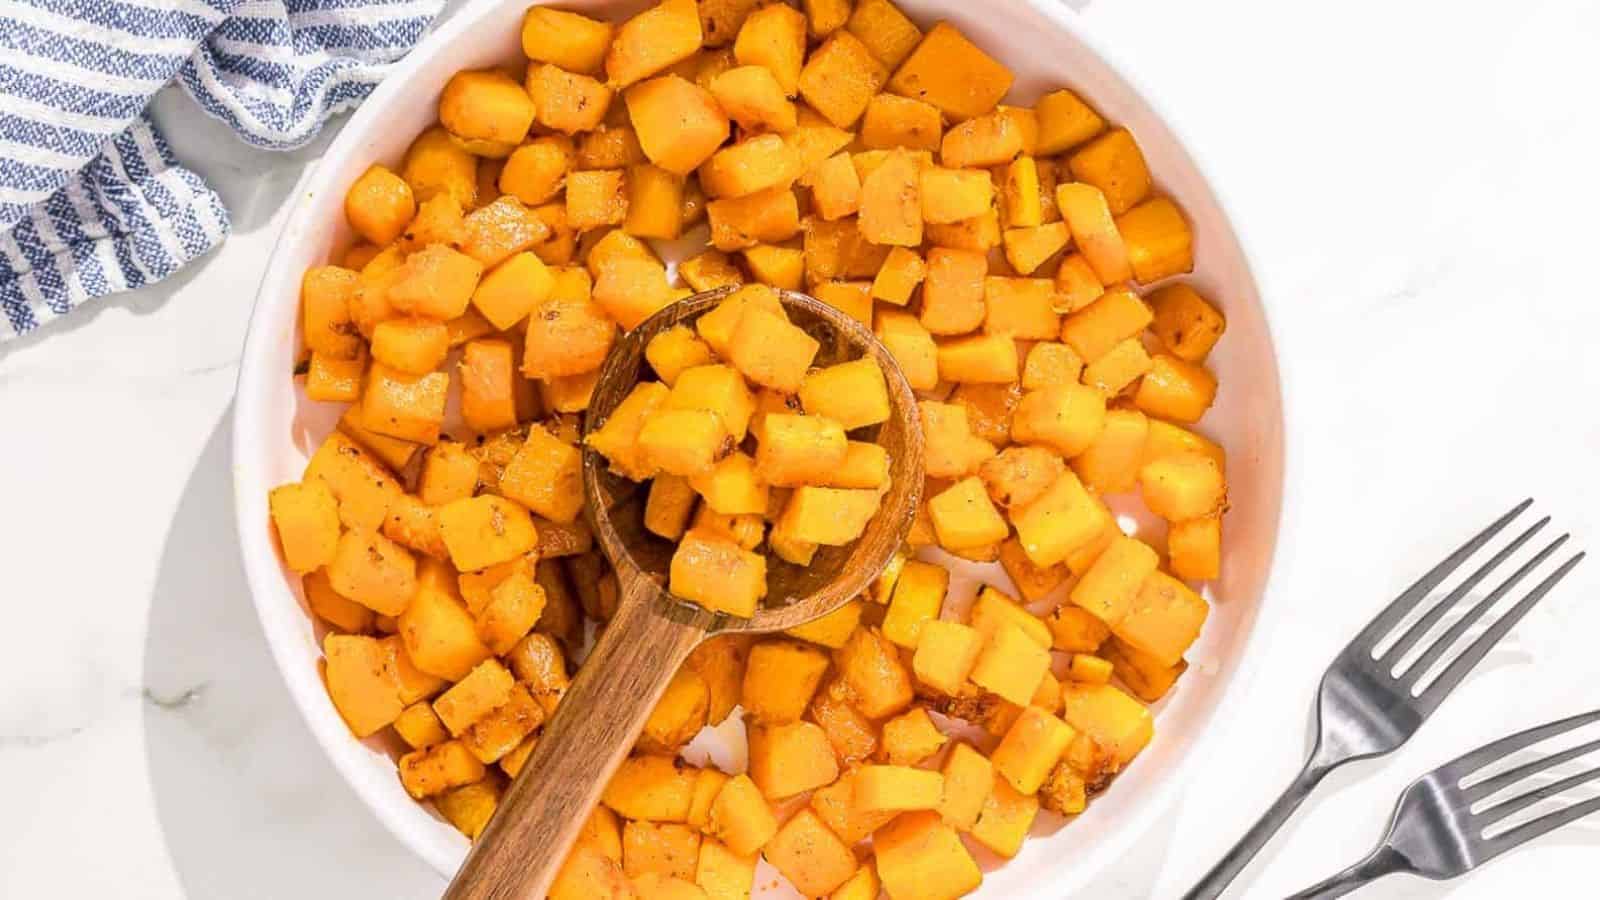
<point>1022,308</point>
<point>1028,249</point>
<point>1187,324</point>
<point>835,188</point>
<point>567,336</point>
<point>790,759</point>
<point>951,449</point>
<point>1113,163</point>
<point>876,676</point>
<point>752,96</point>
<point>717,389</point>
<point>771,351</point>
<point>325,293</point>
<point>1110,588</point>
<point>567,102</point>
<point>1194,548</point>
<point>953,74</point>
<point>574,42</point>
<point>828,516</point>
<point>854,394</point>
<point>1063,519</point>
<point>917,850</point>
<point>496,231</point>
<point>983,142</point>
<point>1175,389</point>
<point>718,574</point>
<point>679,123</point>
<point>361,484</point>
<point>305,516</point>
<point>654,203</point>
<point>486,105</point>
<point>911,346</point>
<point>435,164</point>
<point>596,199</point>
<point>952,296</point>
<point>430,772</point>
<point>653,40</point>
<point>811,856</point>
<point>1158,239</point>
<point>955,195</point>
<point>891,121</point>
<point>891,201</point>
<point>979,359</point>
<point>546,476</point>
<point>779,679</point>
<point>483,531</point>
<point>774,36</point>
<point>1093,331</point>
<point>1066,418</point>
<point>751,165</point>
<point>1110,465</point>
<point>765,217</point>
<point>357,683</point>
<point>798,450</point>
<point>686,442</point>
<point>409,407</point>
<point>1021,197</point>
<point>617,439</point>
<point>840,78</point>
<point>1065,122</point>
<point>1094,231</point>
<point>379,205</point>
<point>886,31</point>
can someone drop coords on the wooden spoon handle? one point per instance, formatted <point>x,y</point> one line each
<point>518,855</point>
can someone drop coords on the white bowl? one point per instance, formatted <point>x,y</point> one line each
<point>275,427</point>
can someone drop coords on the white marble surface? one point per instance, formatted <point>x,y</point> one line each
<point>1417,180</point>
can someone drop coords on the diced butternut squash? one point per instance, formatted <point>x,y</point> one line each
<point>1113,163</point>
<point>678,716</point>
<point>982,142</point>
<point>1094,231</point>
<point>1117,722</point>
<point>379,205</point>
<point>1185,322</point>
<point>798,450</point>
<point>953,295</point>
<point>574,42</point>
<point>718,574</point>
<point>950,72</point>
<point>653,40</point>
<point>920,856</point>
<point>828,516</point>
<point>1005,820</point>
<point>1194,548</point>
<point>1164,618</point>
<point>740,817</point>
<point>652,789</point>
<point>486,105</point>
<point>871,666</point>
<point>813,858</point>
<point>1183,486</point>
<point>765,217</point>
<point>891,121</point>
<point>1063,519</point>
<point>1110,587</point>
<point>1110,464</point>
<point>886,31</point>
<point>679,123</point>
<point>752,96</point>
<point>361,690</point>
<point>774,37</point>
<point>1027,249</point>
<point>790,759</point>
<point>430,772</point>
<point>840,78</point>
<point>483,531</point>
<point>911,738</point>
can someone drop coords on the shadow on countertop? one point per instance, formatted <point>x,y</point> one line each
<point>249,805</point>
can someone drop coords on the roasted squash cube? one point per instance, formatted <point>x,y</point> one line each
<point>325,293</point>
<point>420,727</point>
<point>886,31</point>
<point>790,759</point>
<point>774,36</point>
<point>306,518</point>
<point>952,296</point>
<point>1110,465</point>
<point>374,571</point>
<point>1076,630</point>
<point>950,449</point>
<point>435,164</point>
<point>952,73</point>
<point>833,629</point>
<point>779,679</point>
<point>495,735</point>
<point>495,232</point>
<point>945,655</point>
<point>754,164</point>
<point>1011,663</point>
<point>1194,548</point>
<point>1027,249</point>
<point>1065,122</point>
<point>717,389</point>
<point>854,394</point>
<point>1176,389</point>
<point>765,217</point>
<point>964,517</point>
<point>771,351</point>
<point>1077,285</point>
<point>328,605</point>
<point>1158,240</point>
<point>676,350</point>
<point>979,359</point>
<point>1031,748</point>
<point>780,267</point>
<point>678,716</point>
<point>330,379</point>
<point>982,142</point>
<point>1022,308</point>
<point>813,858</point>
<point>546,476</point>
<point>1117,722</point>
<point>896,788</point>
<point>718,574</point>
<point>1113,163</point>
<point>436,281</point>
<point>430,772</point>
<point>910,738</point>
<point>1094,230</point>
<point>828,516</point>
<point>1164,618</point>
<point>483,531</point>
<point>1145,675</point>
<point>872,668</point>
<point>903,270</point>
<point>1185,322</point>
<point>1095,330</point>
<point>840,78</point>
<point>617,439</point>
<point>752,96</point>
<point>357,683</point>
<point>911,346</point>
<point>954,195</point>
<point>486,688</point>
<point>679,124</point>
<point>651,788</point>
<point>740,817</point>
<point>664,34</point>
<point>379,205</point>
<point>892,121</point>
<point>835,188</point>
<point>1020,198</point>
<point>968,781</point>
<point>574,42</point>
<point>485,105</point>
<point>1060,521</point>
<point>1005,820</point>
<point>919,856</point>
<point>732,488</point>
<point>917,599</point>
<point>685,442</point>
<point>1066,418</point>
<point>1183,486</point>
<point>1110,587</point>
<point>1020,475</point>
<point>891,204</point>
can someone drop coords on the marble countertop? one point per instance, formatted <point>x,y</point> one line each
<point>1417,180</point>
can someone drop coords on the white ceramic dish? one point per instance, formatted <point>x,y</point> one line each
<point>1044,42</point>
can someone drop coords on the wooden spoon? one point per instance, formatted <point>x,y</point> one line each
<point>520,852</point>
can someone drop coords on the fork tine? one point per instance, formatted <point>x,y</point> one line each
<point>1490,786</point>
<point>1478,649</point>
<point>1413,634</point>
<point>1462,766</point>
<point>1522,801</point>
<point>1447,640</point>
<point>1539,827</point>
<point>1408,600</point>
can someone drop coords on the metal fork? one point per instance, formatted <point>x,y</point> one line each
<point>1366,708</point>
<point>1434,831</point>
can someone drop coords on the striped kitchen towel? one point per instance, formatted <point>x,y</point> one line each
<point>92,200</point>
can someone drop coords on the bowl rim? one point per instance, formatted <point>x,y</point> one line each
<point>303,681</point>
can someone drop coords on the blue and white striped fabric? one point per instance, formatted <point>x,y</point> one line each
<point>92,200</point>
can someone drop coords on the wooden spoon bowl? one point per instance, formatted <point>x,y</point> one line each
<point>520,852</point>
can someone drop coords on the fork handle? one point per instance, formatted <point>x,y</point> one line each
<point>1380,862</point>
<point>1228,868</point>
